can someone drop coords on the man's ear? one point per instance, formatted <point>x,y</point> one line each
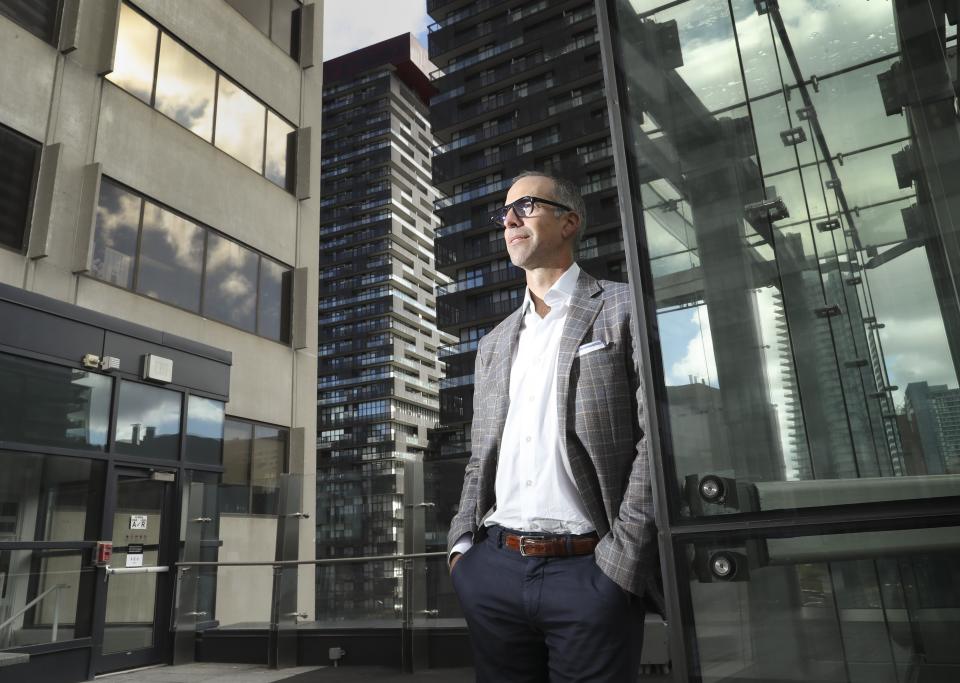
<point>570,225</point>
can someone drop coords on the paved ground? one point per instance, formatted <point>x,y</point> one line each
<point>207,673</point>
<point>253,673</point>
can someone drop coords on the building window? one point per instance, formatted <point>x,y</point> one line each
<point>254,457</point>
<point>148,421</point>
<point>274,18</point>
<point>40,17</point>
<point>19,161</point>
<point>75,405</point>
<point>205,418</point>
<point>140,245</point>
<point>178,83</point>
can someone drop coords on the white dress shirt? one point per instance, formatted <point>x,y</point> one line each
<point>535,490</point>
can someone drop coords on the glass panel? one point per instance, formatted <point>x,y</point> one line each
<point>204,430</point>
<point>281,24</point>
<point>171,258</point>
<point>361,594</point>
<point>274,303</point>
<point>18,167</point>
<point>801,248</point>
<point>136,54</point>
<point>240,125</point>
<point>269,458</point>
<point>148,421</point>
<point>49,498</point>
<point>52,405</point>
<point>279,150</point>
<point>131,598</point>
<point>37,16</point>
<point>185,87</point>
<point>115,235</point>
<point>39,597</point>
<point>878,607</point>
<point>237,446</point>
<point>230,290</point>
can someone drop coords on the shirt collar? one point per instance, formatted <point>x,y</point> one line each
<point>560,293</point>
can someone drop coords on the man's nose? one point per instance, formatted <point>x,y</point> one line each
<point>511,219</point>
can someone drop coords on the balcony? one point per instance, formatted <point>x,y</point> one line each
<point>482,191</point>
<point>510,274</point>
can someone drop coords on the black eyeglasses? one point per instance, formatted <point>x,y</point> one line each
<point>523,207</point>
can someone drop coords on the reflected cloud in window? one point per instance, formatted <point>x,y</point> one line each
<point>230,290</point>
<point>115,235</point>
<point>278,150</point>
<point>240,125</point>
<point>135,55</point>
<point>185,88</point>
<point>204,430</point>
<point>171,258</point>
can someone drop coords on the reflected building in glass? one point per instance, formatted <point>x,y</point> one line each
<point>378,375</point>
<point>789,169</point>
<point>158,240</point>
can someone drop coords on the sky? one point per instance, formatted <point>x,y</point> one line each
<point>349,25</point>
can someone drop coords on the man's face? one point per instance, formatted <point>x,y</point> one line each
<point>540,240</point>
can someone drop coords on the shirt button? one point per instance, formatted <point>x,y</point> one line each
<point>529,482</point>
<point>530,398</point>
<point>529,439</point>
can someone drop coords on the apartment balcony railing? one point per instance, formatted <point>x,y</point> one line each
<point>449,315</point>
<point>461,64</point>
<point>482,280</point>
<point>482,191</point>
<point>458,348</point>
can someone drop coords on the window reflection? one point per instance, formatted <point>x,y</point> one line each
<point>254,457</point>
<point>171,258</point>
<point>48,498</point>
<point>185,88</point>
<point>278,150</point>
<point>148,421</point>
<point>240,125</point>
<point>115,235</point>
<point>273,319</point>
<point>204,430</point>
<point>76,404</point>
<point>136,54</point>
<point>230,289</point>
<point>801,260</point>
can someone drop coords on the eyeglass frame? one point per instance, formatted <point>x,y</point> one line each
<point>499,217</point>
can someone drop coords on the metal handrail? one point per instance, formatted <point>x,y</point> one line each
<point>323,561</point>
<point>56,610</point>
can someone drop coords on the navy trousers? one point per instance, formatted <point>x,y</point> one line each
<point>546,620</point>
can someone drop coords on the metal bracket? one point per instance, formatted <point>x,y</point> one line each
<point>300,515</point>
<point>828,225</point>
<point>806,113</point>
<point>828,311</point>
<point>832,183</point>
<point>764,6</point>
<point>793,136</point>
<point>202,520</point>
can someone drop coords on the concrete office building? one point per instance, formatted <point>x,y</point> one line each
<point>520,86</point>
<point>378,375</point>
<point>158,250</point>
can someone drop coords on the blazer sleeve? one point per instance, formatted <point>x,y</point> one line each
<point>629,553</point>
<point>465,520</point>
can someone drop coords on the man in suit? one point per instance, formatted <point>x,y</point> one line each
<point>554,542</point>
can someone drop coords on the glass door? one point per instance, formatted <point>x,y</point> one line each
<point>135,626</point>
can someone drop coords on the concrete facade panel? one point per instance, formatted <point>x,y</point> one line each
<point>235,47</point>
<point>26,80</point>
<point>155,155</point>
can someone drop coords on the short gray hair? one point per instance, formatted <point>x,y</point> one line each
<point>565,192</point>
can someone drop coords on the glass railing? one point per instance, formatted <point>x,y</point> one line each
<point>39,596</point>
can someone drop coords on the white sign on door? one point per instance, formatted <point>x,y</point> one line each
<point>138,521</point>
<point>135,560</point>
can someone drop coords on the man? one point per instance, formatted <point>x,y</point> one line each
<point>554,541</point>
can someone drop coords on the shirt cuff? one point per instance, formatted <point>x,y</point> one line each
<point>463,544</point>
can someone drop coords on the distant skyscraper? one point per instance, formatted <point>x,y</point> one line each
<point>934,412</point>
<point>378,375</point>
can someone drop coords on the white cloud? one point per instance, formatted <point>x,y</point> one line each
<point>698,362</point>
<point>349,25</point>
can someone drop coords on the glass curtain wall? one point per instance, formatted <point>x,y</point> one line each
<point>793,174</point>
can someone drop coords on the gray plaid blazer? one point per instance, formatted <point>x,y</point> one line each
<point>599,399</point>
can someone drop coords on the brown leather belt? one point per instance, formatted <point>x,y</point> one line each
<point>550,546</point>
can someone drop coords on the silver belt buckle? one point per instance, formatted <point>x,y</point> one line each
<point>523,541</point>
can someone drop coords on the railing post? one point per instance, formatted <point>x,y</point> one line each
<point>56,614</point>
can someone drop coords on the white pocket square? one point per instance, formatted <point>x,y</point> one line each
<point>590,347</point>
